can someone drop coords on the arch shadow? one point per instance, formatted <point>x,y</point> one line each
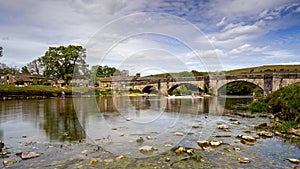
<point>189,86</point>
<point>240,87</point>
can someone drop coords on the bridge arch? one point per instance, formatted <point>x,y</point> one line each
<point>244,87</point>
<point>149,89</point>
<point>189,86</point>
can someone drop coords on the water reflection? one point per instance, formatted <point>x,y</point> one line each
<point>49,119</point>
<point>57,120</point>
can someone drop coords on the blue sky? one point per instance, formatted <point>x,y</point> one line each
<point>239,33</point>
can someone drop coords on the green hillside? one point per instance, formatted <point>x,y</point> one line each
<point>267,68</point>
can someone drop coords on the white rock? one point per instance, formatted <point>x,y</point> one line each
<point>178,134</point>
<point>28,154</point>
<point>146,148</point>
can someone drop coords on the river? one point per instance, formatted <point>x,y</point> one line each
<point>109,132</point>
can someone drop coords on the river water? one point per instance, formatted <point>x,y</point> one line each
<point>122,125</point>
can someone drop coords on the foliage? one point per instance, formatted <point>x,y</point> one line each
<point>104,71</point>
<point>25,70</point>
<point>284,102</point>
<point>259,107</point>
<point>134,91</point>
<point>240,88</point>
<point>1,51</point>
<point>35,67</point>
<point>287,125</point>
<point>185,89</point>
<point>4,69</point>
<point>185,74</point>
<point>59,62</point>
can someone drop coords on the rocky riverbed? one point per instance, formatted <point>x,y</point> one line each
<point>237,141</point>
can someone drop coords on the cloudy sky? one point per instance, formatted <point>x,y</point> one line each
<point>155,35</point>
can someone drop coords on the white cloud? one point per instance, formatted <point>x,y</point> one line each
<point>239,31</point>
<point>246,48</point>
<point>222,22</point>
<point>234,27</point>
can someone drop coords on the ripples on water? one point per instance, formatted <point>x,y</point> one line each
<point>116,122</point>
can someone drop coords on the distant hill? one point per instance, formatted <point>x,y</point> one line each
<point>267,68</point>
<point>250,70</point>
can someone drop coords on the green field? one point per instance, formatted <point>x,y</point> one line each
<point>267,69</point>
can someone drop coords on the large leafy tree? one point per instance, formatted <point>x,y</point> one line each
<point>59,62</point>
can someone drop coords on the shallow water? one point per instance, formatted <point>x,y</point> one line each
<point>115,124</point>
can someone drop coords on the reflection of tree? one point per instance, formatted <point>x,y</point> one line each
<point>1,134</point>
<point>106,104</point>
<point>60,121</point>
<point>140,103</point>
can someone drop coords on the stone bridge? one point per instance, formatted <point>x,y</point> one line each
<point>211,84</point>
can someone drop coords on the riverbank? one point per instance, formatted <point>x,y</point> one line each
<point>12,92</point>
<point>9,92</point>
<point>283,106</point>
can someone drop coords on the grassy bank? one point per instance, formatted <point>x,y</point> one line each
<point>38,90</point>
<point>31,88</point>
<point>284,105</point>
<point>266,69</point>
<point>9,90</point>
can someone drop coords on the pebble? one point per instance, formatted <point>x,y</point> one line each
<point>84,151</point>
<point>243,160</point>
<point>180,150</point>
<point>146,149</point>
<point>195,127</point>
<point>93,161</point>
<point>190,151</point>
<point>29,154</point>
<point>232,119</point>
<point>203,143</point>
<point>236,122</point>
<point>237,149</point>
<point>109,160</point>
<point>247,142</point>
<point>140,140</point>
<point>8,162</point>
<point>248,138</point>
<point>120,157</point>
<point>265,134</point>
<point>178,134</point>
<point>167,159</point>
<point>215,143</point>
<point>293,160</point>
<point>223,127</point>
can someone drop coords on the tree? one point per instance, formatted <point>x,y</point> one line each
<point>35,67</point>
<point>104,71</point>
<point>25,70</point>
<point>59,62</point>
<point>1,51</point>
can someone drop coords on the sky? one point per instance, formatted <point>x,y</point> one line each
<point>155,36</point>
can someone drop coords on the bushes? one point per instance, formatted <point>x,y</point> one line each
<point>259,107</point>
<point>284,102</point>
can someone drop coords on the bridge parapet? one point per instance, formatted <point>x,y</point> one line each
<point>269,82</point>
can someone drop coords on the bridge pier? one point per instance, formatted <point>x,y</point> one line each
<point>268,84</point>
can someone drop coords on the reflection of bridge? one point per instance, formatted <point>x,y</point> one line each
<point>267,82</point>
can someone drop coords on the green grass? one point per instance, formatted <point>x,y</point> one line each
<point>284,102</point>
<point>41,88</point>
<point>266,69</point>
